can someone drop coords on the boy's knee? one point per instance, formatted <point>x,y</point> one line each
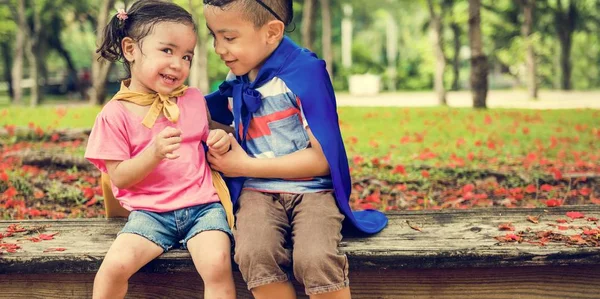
<point>317,264</point>
<point>260,253</point>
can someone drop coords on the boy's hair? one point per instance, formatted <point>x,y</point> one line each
<point>260,12</point>
<point>142,16</point>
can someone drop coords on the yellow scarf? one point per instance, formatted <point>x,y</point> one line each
<point>171,111</point>
<point>160,102</point>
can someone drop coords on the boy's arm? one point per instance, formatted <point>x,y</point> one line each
<point>304,163</point>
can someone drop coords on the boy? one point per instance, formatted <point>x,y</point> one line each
<point>289,171</point>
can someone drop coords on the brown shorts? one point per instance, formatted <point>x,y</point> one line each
<point>273,229</point>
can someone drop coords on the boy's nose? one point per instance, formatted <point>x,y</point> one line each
<point>220,50</point>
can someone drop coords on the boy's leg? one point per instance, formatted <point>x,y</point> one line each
<point>208,241</point>
<point>127,254</point>
<point>260,237</point>
<point>318,264</point>
<point>211,253</point>
<point>144,237</point>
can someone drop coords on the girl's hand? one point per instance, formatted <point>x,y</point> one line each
<point>234,163</point>
<point>166,143</point>
<point>218,142</point>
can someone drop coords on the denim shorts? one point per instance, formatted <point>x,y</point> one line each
<point>175,228</point>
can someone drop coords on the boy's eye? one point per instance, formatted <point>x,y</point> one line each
<point>168,51</point>
<point>187,58</point>
<point>229,39</point>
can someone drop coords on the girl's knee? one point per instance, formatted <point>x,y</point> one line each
<point>215,266</point>
<point>115,269</point>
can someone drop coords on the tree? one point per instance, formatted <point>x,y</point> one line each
<point>17,66</point>
<point>528,7</point>
<point>456,28</point>
<point>437,37</point>
<point>326,37</point>
<point>100,67</point>
<point>565,21</point>
<point>479,68</point>
<point>199,70</point>
<point>308,21</point>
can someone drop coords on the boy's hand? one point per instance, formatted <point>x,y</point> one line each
<point>234,163</point>
<point>166,143</point>
<point>218,141</point>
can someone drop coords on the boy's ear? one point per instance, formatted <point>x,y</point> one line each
<point>275,31</point>
<point>128,45</point>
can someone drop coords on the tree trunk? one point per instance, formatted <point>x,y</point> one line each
<point>56,44</point>
<point>17,67</point>
<point>565,26</point>
<point>437,38</point>
<point>526,31</point>
<point>326,38</point>
<point>456,32</point>
<point>308,21</point>
<point>199,71</point>
<point>33,52</point>
<point>479,68</point>
<point>7,58</point>
<point>100,67</point>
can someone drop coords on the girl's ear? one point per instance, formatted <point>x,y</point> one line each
<point>129,47</point>
<point>275,31</point>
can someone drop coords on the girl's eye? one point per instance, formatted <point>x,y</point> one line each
<point>187,58</point>
<point>229,39</point>
<point>168,51</point>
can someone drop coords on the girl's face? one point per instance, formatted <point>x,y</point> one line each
<point>161,61</point>
<point>241,46</point>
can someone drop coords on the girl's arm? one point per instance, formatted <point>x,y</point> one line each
<point>217,125</point>
<point>305,163</point>
<point>125,174</point>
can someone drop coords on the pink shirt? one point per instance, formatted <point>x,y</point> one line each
<point>118,134</point>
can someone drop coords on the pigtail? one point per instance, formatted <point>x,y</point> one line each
<point>113,34</point>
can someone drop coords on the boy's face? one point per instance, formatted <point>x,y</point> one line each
<point>241,45</point>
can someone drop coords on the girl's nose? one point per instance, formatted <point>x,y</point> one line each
<point>176,63</point>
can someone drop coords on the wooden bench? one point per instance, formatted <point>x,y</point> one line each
<point>454,255</point>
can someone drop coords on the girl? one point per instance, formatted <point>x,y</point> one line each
<point>148,138</point>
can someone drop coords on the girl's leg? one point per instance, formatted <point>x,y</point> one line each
<point>127,254</point>
<point>211,253</point>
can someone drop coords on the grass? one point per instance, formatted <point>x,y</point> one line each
<point>401,158</point>
<point>409,134</point>
<point>412,134</point>
<point>50,116</point>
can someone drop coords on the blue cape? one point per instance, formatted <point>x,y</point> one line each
<point>306,76</point>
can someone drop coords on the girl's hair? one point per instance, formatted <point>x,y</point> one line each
<point>141,18</point>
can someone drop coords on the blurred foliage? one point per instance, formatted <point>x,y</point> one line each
<point>74,23</point>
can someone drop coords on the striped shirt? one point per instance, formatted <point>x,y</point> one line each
<point>277,129</point>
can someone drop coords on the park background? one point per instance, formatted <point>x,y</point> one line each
<point>444,104</point>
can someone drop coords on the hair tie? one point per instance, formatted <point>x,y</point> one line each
<point>122,15</point>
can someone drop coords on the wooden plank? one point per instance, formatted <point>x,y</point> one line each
<point>544,282</point>
<point>449,239</point>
